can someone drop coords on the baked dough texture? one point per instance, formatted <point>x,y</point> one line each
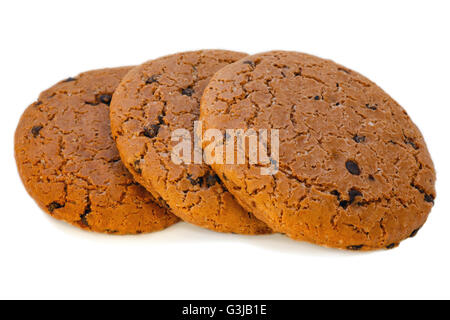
<point>69,164</point>
<point>153,101</point>
<point>354,170</point>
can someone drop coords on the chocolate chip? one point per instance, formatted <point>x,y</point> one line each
<point>163,203</point>
<point>316,98</point>
<point>211,180</point>
<point>371,177</point>
<point>359,139</point>
<point>352,194</point>
<point>429,198</point>
<point>356,247</point>
<point>70,79</point>
<point>336,193</point>
<point>411,142</point>
<point>194,182</point>
<point>35,130</point>
<point>344,70</point>
<point>250,63</point>
<point>137,166</point>
<point>161,119</point>
<point>344,204</point>
<point>374,107</point>
<point>105,98</point>
<point>391,246</point>
<point>152,79</point>
<point>83,218</point>
<point>53,206</point>
<point>151,131</point>
<point>352,167</point>
<point>187,92</point>
<point>414,233</point>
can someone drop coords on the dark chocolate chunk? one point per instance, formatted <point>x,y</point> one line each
<point>391,246</point>
<point>336,193</point>
<point>105,98</point>
<point>352,167</point>
<point>187,92</point>
<point>344,204</point>
<point>163,203</point>
<point>152,79</point>
<point>411,142</point>
<point>316,98</point>
<point>70,79</point>
<point>194,182</point>
<point>414,233</point>
<point>53,206</point>
<point>352,194</point>
<point>359,139</point>
<point>250,63</point>
<point>429,198</point>
<point>151,131</point>
<point>137,166</point>
<point>211,180</point>
<point>355,247</point>
<point>83,218</point>
<point>35,130</point>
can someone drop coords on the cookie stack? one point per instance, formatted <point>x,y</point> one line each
<point>135,149</point>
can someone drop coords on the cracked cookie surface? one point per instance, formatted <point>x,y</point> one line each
<point>354,170</point>
<point>151,102</point>
<point>69,163</point>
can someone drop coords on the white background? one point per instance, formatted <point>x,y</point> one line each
<point>401,45</point>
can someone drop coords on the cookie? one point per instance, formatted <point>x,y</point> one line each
<point>152,102</point>
<point>353,171</point>
<point>69,164</point>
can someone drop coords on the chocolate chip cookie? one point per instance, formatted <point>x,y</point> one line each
<point>69,164</point>
<point>151,103</point>
<point>353,171</point>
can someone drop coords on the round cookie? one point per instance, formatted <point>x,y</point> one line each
<point>153,101</point>
<point>354,171</point>
<point>69,163</point>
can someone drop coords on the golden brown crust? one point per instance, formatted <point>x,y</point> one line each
<point>151,102</point>
<point>355,171</point>
<point>69,164</point>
